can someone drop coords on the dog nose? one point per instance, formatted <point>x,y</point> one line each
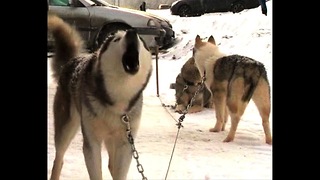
<point>131,35</point>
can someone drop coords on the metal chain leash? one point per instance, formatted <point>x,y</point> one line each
<point>200,86</point>
<point>181,118</point>
<point>125,119</point>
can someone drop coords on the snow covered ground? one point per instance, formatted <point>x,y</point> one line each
<point>198,154</point>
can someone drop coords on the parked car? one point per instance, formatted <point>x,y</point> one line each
<point>185,8</point>
<point>96,19</point>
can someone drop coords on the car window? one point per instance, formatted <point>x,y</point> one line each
<point>77,3</point>
<point>59,2</point>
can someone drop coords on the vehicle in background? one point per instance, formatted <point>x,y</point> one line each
<point>187,8</point>
<point>96,19</point>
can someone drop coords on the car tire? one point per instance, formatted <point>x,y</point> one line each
<point>184,10</point>
<point>237,7</point>
<point>107,31</point>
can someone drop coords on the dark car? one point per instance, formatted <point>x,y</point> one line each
<point>185,8</point>
<point>96,19</point>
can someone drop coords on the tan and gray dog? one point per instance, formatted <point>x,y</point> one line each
<point>233,80</point>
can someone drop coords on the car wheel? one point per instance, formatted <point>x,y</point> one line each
<point>107,31</point>
<point>184,10</point>
<point>237,7</point>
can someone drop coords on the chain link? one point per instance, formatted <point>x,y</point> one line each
<point>125,118</point>
<point>195,94</point>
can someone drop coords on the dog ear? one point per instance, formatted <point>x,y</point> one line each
<point>211,40</point>
<point>198,41</point>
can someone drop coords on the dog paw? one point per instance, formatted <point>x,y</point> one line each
<point>228,139</point>
<point>195,109</point>
<point>180,108</point>
<point>214,130</point>
<point>269,141</point>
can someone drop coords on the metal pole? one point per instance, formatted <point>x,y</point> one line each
<point>157,79</point>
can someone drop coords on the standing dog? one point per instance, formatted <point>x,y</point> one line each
<point>95,91</point>
<point>233,80</point>
<point>187,83</point>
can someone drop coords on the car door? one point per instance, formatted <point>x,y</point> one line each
<point>77,15</point>
<point>215,5</point>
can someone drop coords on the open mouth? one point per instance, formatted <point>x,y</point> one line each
<point>130,59</point>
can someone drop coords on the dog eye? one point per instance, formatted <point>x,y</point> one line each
<point>116,39</point>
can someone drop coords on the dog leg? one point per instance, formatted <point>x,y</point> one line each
<point>226,116</point>
<point>219,100</point>
<point>61,148</point>
<point>65,130</point>
<point>235,118</point>
<point>207,98</point>
<point>261,98</point>
<point>120,156</point>
<point>236,111</point>
<point>92,155</point>
<point>236,106</point>
<point>266,125</point>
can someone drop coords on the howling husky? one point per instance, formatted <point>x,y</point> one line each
<point>97,91</point>
<point>233,80</point>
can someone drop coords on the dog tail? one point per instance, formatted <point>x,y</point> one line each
<point>259,73</point>
<point>68,43</point>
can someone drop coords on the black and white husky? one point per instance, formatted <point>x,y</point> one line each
<point>95,91</point>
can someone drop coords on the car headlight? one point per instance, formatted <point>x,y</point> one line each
<point>151,22</point>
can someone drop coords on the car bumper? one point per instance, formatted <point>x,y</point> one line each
<point>162,37</point>
<point>169,38</point>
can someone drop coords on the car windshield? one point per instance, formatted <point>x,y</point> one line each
<point>102,2</point>
<point>92,2</point>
